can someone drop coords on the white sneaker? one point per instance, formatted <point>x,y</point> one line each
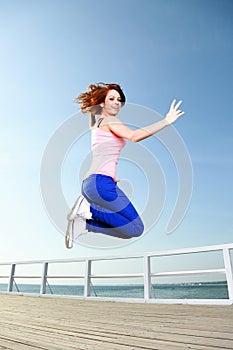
<point>81,208</point>
<point>75,228</point>
<point>69,235</point>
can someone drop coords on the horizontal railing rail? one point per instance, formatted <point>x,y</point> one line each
<point>87,276</point>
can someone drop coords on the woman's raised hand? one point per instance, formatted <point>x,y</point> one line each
<point>174,112</point>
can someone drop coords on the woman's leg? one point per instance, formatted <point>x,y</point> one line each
<point>112,212</point>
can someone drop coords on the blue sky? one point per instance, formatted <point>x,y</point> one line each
<point>156,50</point>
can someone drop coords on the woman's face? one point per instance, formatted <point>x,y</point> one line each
<point>112,103</point>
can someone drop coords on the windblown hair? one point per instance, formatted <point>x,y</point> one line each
<point>90,101</point>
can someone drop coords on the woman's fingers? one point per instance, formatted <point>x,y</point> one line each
<point>173,104</point>
<point>179,113</point>
<point>178,105</point>
<point>174,111</point>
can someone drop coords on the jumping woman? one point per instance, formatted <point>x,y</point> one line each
<point>103,207</point>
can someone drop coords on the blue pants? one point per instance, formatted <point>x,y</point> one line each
<point>112,212</point>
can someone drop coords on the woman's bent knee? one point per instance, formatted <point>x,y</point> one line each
<point>134,228</point>
<point>139,229</point>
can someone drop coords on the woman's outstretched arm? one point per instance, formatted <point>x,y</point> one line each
<point>120,129</point>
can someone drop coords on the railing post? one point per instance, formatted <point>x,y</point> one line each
<point>147,278</point>
<point>44,278</point>
<point>229,272</point>
<point>11,279</point>
<point>87,279</point>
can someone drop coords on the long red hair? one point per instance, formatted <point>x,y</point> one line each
<point>90,101</point>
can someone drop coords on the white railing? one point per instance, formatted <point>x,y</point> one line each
<point>147,274</point>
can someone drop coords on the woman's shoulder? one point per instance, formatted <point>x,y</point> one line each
<point>111,120</point>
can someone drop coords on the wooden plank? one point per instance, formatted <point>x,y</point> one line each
<point>56,324</point>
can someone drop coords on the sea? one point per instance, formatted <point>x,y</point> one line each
<point>201,290</point>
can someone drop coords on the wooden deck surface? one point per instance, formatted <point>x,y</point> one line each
<point>28,323</point>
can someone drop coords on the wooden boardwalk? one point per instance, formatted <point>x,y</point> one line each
<point>28,323</point>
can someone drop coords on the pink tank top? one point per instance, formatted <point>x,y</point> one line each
<point>106,149</point>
